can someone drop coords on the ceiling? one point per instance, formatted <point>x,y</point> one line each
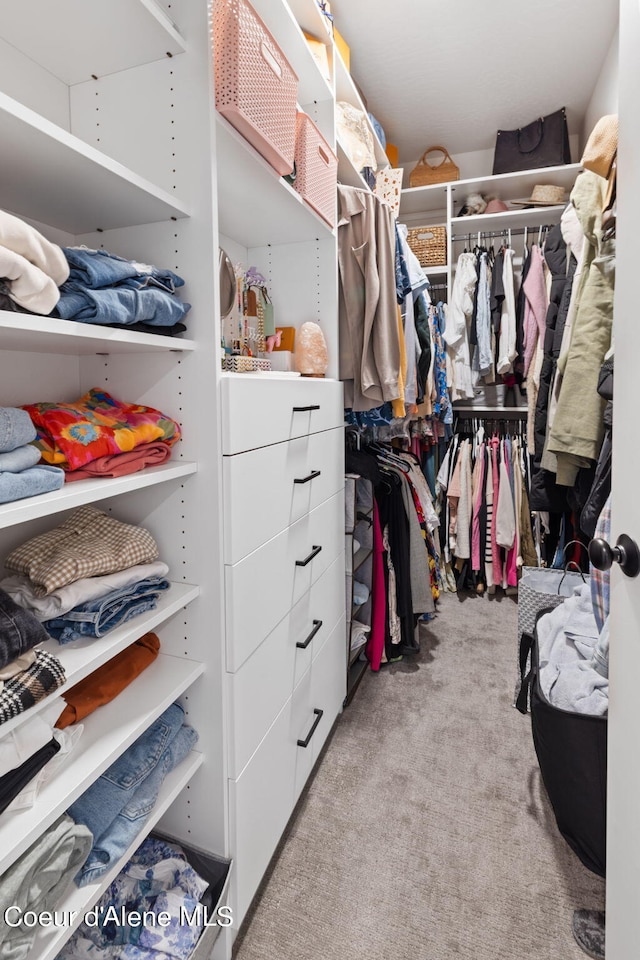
<point>454,71</point>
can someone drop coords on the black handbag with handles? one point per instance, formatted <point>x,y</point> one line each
<point>543,143</point>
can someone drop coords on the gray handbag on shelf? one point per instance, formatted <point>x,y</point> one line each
<point>543,143</point>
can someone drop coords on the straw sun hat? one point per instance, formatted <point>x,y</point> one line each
<point>544,195</point>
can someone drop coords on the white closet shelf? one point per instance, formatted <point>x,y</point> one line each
<point>436,271</point>
<point>347,173</point>
<point>115,36</point>
<point>81,658</point>
<point>286,31</point>
<point>347,90</point>
<point>508,220</point>
<point>107,734</point>
<point>49,941</point>
<point>21,331</point>
<point>518,186</point>
<point>421,200</point>
<point>278,213</point>
<point>49,175</point>
<point>79,492</point>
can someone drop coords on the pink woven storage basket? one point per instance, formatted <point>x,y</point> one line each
<point>316,169</point>
<point>256,89</point>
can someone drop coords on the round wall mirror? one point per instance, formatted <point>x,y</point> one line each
<point>227,283</point>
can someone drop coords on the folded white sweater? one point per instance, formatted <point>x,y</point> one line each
<point>29,286</point>
<point>22,238</point>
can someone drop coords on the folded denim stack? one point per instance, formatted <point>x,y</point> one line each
<point>87,576</point>
<point>157,879</point>
<point>106,289</point>
<point>19,475</point>
<point>32,268</point>
<point>38,881</point>
<point>99,436</point>
<point>27,675</point>
<point>116,806</point>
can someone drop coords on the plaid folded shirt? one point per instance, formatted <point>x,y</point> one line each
<point>31,686</point>
<point>89,543</point>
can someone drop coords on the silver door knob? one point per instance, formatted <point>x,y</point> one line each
<point>625,552</point>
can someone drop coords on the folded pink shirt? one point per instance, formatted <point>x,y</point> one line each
<point>120,464</point>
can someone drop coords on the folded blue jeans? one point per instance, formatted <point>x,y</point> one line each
<point>99,268</point>
<point>97,617</point>
<point>121,833</point>
<point>15,461</point>
<point>20,630</point>
<point>16,428</point>
<point>30,483</point>
<point>120,305</point>
<point>107,796</point>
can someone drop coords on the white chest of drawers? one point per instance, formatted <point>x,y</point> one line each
<point>283,482</point>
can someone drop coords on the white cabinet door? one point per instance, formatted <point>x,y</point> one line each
<point>623,827</point>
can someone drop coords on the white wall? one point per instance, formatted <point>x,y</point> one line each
<point>604,99</point>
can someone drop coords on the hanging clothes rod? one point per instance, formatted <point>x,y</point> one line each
<point>529,231</point>
<point>499,412</point>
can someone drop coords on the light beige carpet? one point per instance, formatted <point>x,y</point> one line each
<point>425,833</point>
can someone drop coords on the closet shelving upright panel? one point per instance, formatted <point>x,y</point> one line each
<point>106,120</point>
<point>282,504</point>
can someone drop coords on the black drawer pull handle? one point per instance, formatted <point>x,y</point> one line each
<point>312,476</point>
<point>313,406</point>
<point>305,743</point>
<point>314,553</point>
<point>303,644</point>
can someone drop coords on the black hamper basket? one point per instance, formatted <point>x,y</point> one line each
<point>572,754</point>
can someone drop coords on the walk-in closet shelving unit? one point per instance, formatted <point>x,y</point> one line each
<point>438,203</point>
<point>106,118</point>
<point>282,504</point>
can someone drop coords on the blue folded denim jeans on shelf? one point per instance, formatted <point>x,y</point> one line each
<point>122,832</point>
<point>16,428</point>
<point>29,483</point>
<point>99,268</point>
<point>97,617</point>
<point>15,461</point>
<point>107,796</point>
<point>120,305</point>
<point>20,630</point>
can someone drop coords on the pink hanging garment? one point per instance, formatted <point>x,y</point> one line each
<point>375,644</point>
<point>495,548</point>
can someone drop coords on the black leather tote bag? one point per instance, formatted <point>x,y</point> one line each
<point>543,143</point>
